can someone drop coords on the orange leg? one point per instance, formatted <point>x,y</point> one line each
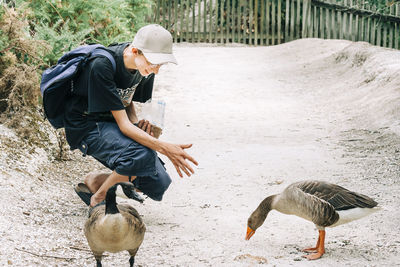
<point>319,249</point>
<point>313,249</point>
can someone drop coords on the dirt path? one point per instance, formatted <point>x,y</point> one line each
<point>260,119</point>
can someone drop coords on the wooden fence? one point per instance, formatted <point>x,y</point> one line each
<point>270,22</point>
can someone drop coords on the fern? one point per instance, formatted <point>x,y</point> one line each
<point>67,24</point>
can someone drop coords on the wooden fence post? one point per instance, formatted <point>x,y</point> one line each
<point>228,20</point>
<point>169,18</point>
<point>181,21</point>
<point>304,19</point>
<point>357,24</point>
<point>268,22</point>
<point>175,20</point>
<point>279,22</point>
<point>193,4</point>
<point>314,23</point>
<point>368,26</point>
<point>397,29</point>
<point>210,28</point>
<point>157,18</point>
<point>391,12</point>
<point>351,20</point>
<point>293,19</point>
<point>273,22</point>
<point>205,21</point>
<point>361,34</point>
<point>328,20</point>
<point>373,29</point>
<point>321,33</point>
<point>187,19</point>
<point>251,23</point>
<point>287,20</point>
<point>245,21</point>
<point>198,2</point>
<point>256,22</point>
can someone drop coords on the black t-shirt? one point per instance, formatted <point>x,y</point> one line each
<point>98,90</point>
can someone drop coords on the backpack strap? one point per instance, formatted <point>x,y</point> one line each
<point>102,52</point>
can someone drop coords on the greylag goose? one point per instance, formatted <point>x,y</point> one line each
<point>112,227</point>
<point>324,204</point>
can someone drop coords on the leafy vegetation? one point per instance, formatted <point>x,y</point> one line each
<point>382,6</point>
<point>20,56</point>
<point>68,24</point>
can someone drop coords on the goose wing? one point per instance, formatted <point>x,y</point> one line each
<point>133,219</point>
<point>309,206</point>
<point>123,208</point>
<point>339,197</point>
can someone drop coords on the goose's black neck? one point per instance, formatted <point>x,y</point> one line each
<point>111,204</point>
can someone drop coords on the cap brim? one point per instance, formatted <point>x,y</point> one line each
<point>159,58</point>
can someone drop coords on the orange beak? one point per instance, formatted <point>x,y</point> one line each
<point>250,233</point>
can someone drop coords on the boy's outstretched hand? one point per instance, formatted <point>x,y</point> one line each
<point>178,157</point>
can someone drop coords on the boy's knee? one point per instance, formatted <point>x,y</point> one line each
<point>160,186</point>
<point>95,179</point>
<point>130,163</point>
<point>164,182</point>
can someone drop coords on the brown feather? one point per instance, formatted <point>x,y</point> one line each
<point>339,197</point>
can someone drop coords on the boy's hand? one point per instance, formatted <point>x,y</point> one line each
<point>150,128</point>
<point>145,126</point>
<point>179,158</point>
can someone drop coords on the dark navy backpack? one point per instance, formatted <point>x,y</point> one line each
<point>57,81</point>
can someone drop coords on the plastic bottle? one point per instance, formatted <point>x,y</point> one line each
<point>154,112</point>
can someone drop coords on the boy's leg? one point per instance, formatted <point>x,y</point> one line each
<point>109,181</point>
<point>125,157</point>
<point>95,179</point>
<point>154,186</point>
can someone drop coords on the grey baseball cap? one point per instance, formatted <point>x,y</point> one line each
<point>156,44</point>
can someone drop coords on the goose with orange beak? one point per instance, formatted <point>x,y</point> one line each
<point>324,204</point>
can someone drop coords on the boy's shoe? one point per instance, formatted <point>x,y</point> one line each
<point>83,192</point>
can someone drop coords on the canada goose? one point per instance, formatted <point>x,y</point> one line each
<point>112,227</point>
<point>324,204</point>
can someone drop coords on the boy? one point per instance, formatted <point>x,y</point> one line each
<point>100,118</point>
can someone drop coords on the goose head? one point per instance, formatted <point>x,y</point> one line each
<point>255,220</point>
<point>258,216</point>
<point>129,191</point>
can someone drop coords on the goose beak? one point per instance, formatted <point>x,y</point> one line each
<point>250,233</point>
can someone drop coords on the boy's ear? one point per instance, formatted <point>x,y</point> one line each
<point>135,51</point>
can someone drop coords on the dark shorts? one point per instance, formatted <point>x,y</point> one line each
<point>119,153</point>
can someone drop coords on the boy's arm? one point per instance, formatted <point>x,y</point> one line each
<point>131,112</point>
<point>174,152</point>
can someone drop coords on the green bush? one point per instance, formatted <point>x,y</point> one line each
<point>20,58</point>
<point>68,24</point>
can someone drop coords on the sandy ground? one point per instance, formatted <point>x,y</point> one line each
<point>259,119</point>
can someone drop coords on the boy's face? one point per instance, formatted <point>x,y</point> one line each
<point>144,66</point>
